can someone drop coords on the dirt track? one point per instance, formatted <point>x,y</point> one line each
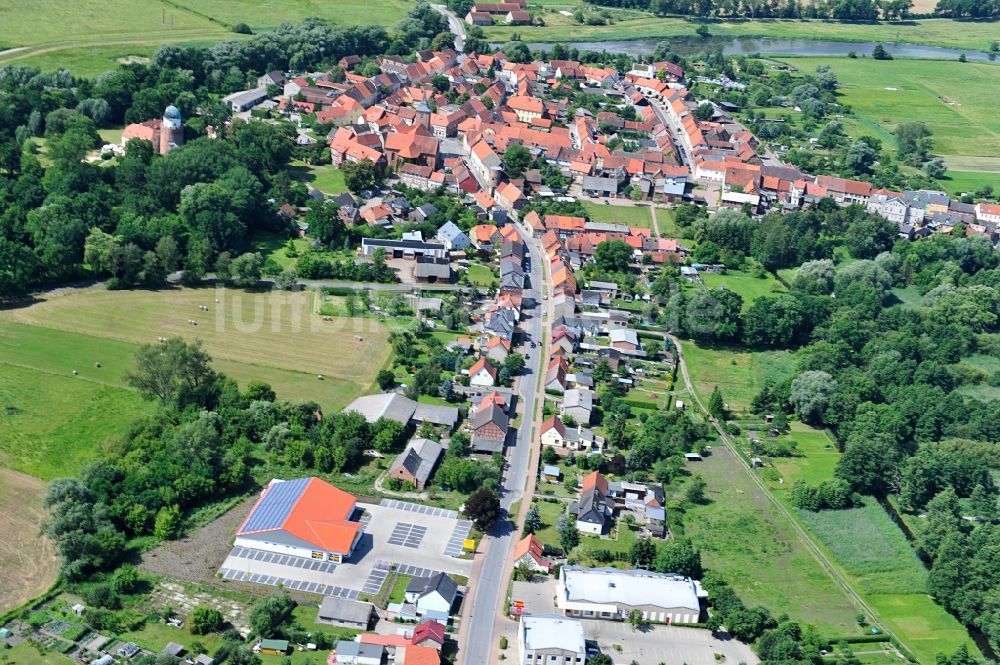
<point>29,561</point>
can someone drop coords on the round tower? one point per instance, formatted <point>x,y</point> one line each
<point>172,130</point>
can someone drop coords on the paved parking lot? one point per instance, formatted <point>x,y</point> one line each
<point>665,644</point>
<point>538,596</point>
<point>413,540</point>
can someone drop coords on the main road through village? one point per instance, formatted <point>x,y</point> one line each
<point>488,589</point>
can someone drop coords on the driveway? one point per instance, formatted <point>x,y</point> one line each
<point>666,644</point>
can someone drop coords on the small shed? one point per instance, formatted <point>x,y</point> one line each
<point>692,457</point>
<point>78,609</point>
<point>173,649</point>
<point>103,660</point>
<point>551,472</point>
<point>679,405</point>
<point>274,647</point>
<point>4,633</point>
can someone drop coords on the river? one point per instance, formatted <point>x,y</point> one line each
<point>772,46</point>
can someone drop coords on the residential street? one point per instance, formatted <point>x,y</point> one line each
<point>488,589</point>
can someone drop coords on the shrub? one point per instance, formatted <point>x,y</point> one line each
<point>242,28</point>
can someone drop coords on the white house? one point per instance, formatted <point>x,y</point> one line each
<point>988,212</point>
<point>578,404</point>
<point>356,653</point>
<point>436,593</point>
<point>610,593</point>
<point>482,374</point>
<point>453,237</point>
<point>551,640</point>
<point>528,552</point>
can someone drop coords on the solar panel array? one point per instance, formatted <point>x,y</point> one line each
<point>272,511</point>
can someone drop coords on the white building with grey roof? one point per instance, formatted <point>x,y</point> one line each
<point>610,593</point>
<point>550,639</point>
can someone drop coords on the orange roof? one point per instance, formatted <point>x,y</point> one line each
<point>595,479</point>
<point>485,201</point>
<point>493,397</point>
<point>384,640</point>
<point>509,232</point>
<point>482,232</point>
<point>309,509</point>
<point>498,341</point>
<point>417,655</point>
<point>481,364</point>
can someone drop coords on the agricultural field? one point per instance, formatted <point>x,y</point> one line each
<point>249,335</point>
<point>743,536</point>
<point>639,25</point>
<point>53,424</point>
<point>91,36</point>
<point>739,374</point>
<point>869,549</point>
<point>955,100</point>
<point>748,286</point>
<point>29,562</point>
<point>630,215</point>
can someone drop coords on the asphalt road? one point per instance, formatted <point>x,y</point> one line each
<point>455,25</point>
<point>488,590</point>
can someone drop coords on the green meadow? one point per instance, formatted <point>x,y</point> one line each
<point>955,99</point>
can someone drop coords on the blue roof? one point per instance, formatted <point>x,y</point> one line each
<point>273,509</point>
<point>172,112</point>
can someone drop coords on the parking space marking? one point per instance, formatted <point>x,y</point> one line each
<point>456,543</point>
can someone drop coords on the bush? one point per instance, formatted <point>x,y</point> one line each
<point>503,641</point>
<point>242,28</point>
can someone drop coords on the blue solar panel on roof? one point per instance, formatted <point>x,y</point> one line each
<point>273,509</point>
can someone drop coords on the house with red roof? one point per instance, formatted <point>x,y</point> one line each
<point>305,517</point>
<point>483,373</point>
<point>497,349</point>
<point>529,553</point>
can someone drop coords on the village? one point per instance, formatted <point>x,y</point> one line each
<point>403,581</point>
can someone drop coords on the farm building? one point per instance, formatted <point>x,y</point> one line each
<point>416,463</point>
<point>403,410</point>
<point>345,612</point>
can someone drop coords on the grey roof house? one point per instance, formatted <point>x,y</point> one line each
<point>417,462</point>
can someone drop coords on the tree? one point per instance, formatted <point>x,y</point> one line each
<point>815,277</point>
<point>386,379</point>
<point>125,581</point>
<point>859,158</point>
<point>636,620</point>
<point>777,322</point>
<point>483,508</point>
<point>515,159</point>
<point>167,524</point>
<point>879,53</point>
<point>532,520</point>
<point>913,142</point>
<point>642,553</point>
<point>678,556</point>
<point>713,314</point>
<point>695,490</point>
<point>203,620</point>
<point>175,372</point>
<point>245,269</point>
<point>704,111</point>
<point>810,395</point>
<point>612,256</point>
<point>601,658</point>
<point>716,405</point>
<point>569,537</point>
<point>936,168</point>
<point>359,175</point>
<point>269,616</point>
